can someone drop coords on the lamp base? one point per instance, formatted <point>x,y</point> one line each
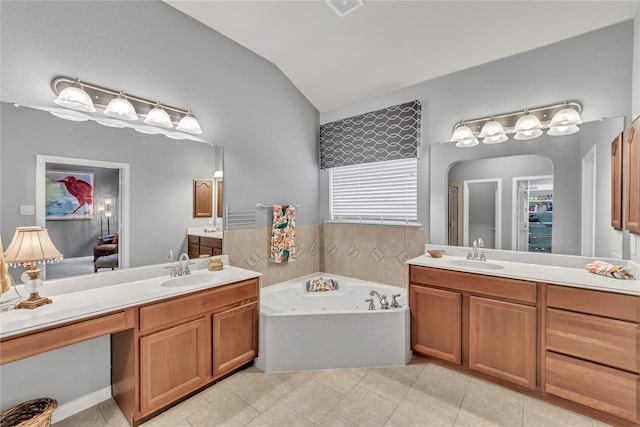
<point>34,301</point>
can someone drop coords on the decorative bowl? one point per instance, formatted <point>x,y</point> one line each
<point>436,253</point>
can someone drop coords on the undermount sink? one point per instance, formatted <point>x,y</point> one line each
<point>467,263</point>
<point>177,282</point>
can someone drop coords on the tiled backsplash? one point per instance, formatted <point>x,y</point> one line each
<point>367,252</point>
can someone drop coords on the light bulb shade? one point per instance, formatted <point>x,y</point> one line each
<point>158,117</point>
<point>147,130</point>
<point>563,130</point>
<point>527,122</point>
<point>566,117</point>
<point>29,245</point>
<point>67,116</point>
<point>491,129</point>
<point>466,143</point>
<point>461,133</point>
<point>189,124</point>
<point>121,108</point>
<point>495,139</point>
<point>110,124</point>
<point>75,98</point>
<point>524,135</point>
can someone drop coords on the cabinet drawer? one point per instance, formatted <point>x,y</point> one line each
<point>211,242</point>
<point>608,304</point>
<point>611,342</point>
<point>517,290</point>
<point>599,387</point>
<point>168,312</point>
<point>193,240</point>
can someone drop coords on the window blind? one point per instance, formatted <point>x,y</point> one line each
<point>382,192</point>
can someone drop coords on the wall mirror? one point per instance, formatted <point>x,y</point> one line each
<point>151,207</point>
<point>550,181</point>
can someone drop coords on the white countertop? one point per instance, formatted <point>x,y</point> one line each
<point>200,232</point>
<point>576,277</point>
<point>96,299</point>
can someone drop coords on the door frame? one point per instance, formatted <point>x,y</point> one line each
<point>588,204</point>
<point>498,208</point>
<point>514,204</point>
<point>123,205</point>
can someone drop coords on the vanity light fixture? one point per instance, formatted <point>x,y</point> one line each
<point>157,118</point>
<point>527,124</point>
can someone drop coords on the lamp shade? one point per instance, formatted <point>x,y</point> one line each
<point>67,116</point>
<point>527,127</point>
<point>565,117</point>
<point>30,245</point>
<point>110,124</point>
<point>495,139</point>
<point>158,117</point>
<point>563,130</point>
<point>469,142</point>
<point>461,133</point>
<point>121,108</point>
<point>189,124</point>
<point>492,128</point>
<point>75,98</point>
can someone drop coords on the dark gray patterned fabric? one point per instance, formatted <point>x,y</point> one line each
<point>388,134</point>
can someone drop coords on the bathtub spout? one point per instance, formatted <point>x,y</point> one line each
<point>370,301</point>
<point>384,304</point>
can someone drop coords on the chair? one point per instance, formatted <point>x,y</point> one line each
<point>107,245</point>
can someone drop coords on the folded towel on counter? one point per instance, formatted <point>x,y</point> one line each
<point>321,285</point>
<point>605,269</point>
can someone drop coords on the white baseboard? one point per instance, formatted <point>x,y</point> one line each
<point>80,404</point>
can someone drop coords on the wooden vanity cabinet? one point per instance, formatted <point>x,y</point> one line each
<point>203,246</point>
<point>182,344</point>
<point>486,324</point>
<point>592,342</point>
<point>632,211</point>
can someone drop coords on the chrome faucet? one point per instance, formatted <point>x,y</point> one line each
<point>371,305</point>
<point>476,255</point>
<point>384,304</point>
<point>394,301</point>
<point>183,270</point>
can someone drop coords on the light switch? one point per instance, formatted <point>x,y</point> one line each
<point>27,210</point>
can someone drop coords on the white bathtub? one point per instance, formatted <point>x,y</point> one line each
<point>302,330</point>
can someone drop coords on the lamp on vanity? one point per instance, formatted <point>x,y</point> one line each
<point>560,119</point>
<point>29,246</point>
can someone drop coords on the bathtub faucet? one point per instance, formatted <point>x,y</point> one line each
<point>384,304</point>
<point>370,301</point>
<point>394,301</point>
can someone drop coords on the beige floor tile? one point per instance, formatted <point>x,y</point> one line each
<point>536,411</point>
<point>179,413</point>
<point>439,384</point>
<point>261,390</point>
<point>89,417</point>
<point>341,380</point>
<point>597,423</point>
<point>390,383</point>
<point>295,379</point>
<point>365,408</point>
<point>332,419</point>
<point>312,400</point>
<point>423,412</point>
<point>280,415</point>
<point>226,410</point>
<point>492,403</point>
<point>110,411</point>
<point>473,419</point>
<point>224,387</point>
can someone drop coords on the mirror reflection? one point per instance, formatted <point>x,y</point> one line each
<point>549,195</point>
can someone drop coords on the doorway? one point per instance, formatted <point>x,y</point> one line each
<point>93,227</point>
<point>483,212</point>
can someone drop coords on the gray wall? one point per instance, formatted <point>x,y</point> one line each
<point>504,168</point>
<point>594,69</point>
<point>243,102</point>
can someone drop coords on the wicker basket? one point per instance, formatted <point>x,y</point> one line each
<point>34,413</point>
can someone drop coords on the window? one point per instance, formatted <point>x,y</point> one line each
<point>380,192</point>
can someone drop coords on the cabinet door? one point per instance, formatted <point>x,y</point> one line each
<point>235,338</point>
<point>436,323</point>
<point>632,137</point>
<point>502,340</point>
<point>173,362</point>
<point>202,198</point>
<point>616,183</point>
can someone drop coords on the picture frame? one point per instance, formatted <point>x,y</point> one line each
<point>69,195</point>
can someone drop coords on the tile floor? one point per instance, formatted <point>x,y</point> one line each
<point>419,394</point>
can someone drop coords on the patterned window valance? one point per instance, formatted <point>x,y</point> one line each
<point>391,133</point>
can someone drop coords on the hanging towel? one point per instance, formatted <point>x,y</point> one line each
<point>609,270</point>
<point>5,282</point>
<point>283,234</point>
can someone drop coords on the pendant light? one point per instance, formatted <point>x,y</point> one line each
<point>121,108</point>
<point>563,130</point>
<point>463,136</point>
<point>158,117</point>
<point>469,142</point>
<point>564,122</point>
<point>75,98</point>
<point>527,127</point>
<point>189,124</point>
<point>493,133</point>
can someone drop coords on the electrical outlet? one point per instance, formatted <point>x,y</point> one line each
<point>27,210</point>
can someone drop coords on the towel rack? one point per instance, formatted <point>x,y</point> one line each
<point>239,217</point>
<point>267,206</point>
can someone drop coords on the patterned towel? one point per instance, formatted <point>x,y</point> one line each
<point>321,285</point>
<point>283,234</point>
<point>609,270</point>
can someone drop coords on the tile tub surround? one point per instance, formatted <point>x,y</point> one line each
<point>421,393</point>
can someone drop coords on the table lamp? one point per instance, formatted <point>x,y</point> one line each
<point>29,246</point>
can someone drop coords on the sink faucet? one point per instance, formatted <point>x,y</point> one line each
<point>384,304</point>
<point>474,254</point>
<point>183,271</point>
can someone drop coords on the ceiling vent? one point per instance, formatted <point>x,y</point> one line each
<point>344,7</point>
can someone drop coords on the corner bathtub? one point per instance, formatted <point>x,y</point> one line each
<point>302,330</point>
